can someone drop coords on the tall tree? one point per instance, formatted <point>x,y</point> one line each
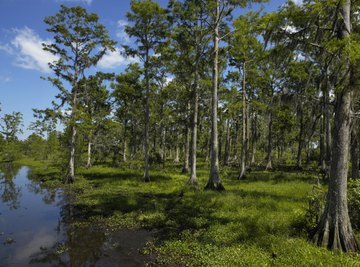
<point>149,30</point>
<point>95,107</point>
<point>80,42</point>
<point>127,96</point>
<point>191,40</point>
<point>334,230</point>
<point>244,50</point>
<point>218,10</point>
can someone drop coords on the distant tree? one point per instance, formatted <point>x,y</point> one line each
<point>80,42</point>
<point>10,125</point>
<point>94,109</point>
<point>149,30</point>
<point>191,38</point>
<point>245,51</point>
<point>127,100</point>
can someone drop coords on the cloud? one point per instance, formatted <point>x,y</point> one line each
<point>168,80</point>
<point>116,59</point>
<point>7,48</point>
<point>120,33</point>
<point>298,2</point>
<point>290,29</point>
<point>88,2</point>
<point>5,79</point>
<point>26,47</point>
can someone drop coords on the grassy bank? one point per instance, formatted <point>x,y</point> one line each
<point>256,222</point>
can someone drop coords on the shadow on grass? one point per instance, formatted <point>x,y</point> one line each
<point>280,177</point>
<point>121,175</point>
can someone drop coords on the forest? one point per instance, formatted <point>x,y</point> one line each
<point>232,138</point>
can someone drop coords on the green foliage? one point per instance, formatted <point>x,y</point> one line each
<point>11,151</point>
<point>11,125</point>
<point>354,202</point>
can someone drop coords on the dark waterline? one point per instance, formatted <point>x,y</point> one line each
<point>34,229</point>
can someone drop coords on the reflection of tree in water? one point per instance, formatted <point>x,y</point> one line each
<point>10,193</point>
<point>80,245</point>
<point>49,195</point>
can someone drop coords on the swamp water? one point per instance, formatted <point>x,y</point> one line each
<point>34,229</point>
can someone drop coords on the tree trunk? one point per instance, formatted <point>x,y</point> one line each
<point>269,148</point>
<point>247,140</point>
<point>214,179</point>
<point>254,137</point>
<point>70,178</point>
<point>327,120</point>
<point>334,230</point>
<point>322,158</point>
<point>124,141</point>
<point>147,120</point>
<point>354,153</point>
<point>88,164</point>
<point>300,138</point>
<point>244,128</point>
<point>133,143</point>
<point>193,179</point>
<point>186,154</point>
<point>227,143</point>
<point>177,160</point>
<point>163,143</point>
<point>71,172</point>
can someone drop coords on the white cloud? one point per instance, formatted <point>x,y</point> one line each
<point>290,29</point>
<point>26,47</point>
<point>168,80</point>
<point>5,79</point>
<point>89,2</point>
<point>116,59</point>
<point>120,33</point>
<point>7,48</point>
<point>297,2</point>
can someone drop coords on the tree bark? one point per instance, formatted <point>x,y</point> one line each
<point>70,178</point>
<point>254,137</point>
<point>177,160</point>
<point>354,153</point>
<point>244,128</point>
<point>300,138</point>
<point>327,120</point>
<point>193,179</point>
<point>185,168</point>
<point>214,179</point>
<point>124,141</point>
<point>71,175</point>
<point>334,230</point>
<point>269,145</point>
<point>227,143</point>
<point>146,176</point>
<point>88,163</point>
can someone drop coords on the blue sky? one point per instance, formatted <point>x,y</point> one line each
<point>22,61</point>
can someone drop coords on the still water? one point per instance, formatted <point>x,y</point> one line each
<point>34,229</point>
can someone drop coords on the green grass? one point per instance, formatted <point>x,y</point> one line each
<point>256,222</point>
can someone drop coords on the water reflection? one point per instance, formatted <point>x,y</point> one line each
<point>10,192</point>
<point>38,222</point>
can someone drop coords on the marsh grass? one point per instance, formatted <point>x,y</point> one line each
<point>256,222</point>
